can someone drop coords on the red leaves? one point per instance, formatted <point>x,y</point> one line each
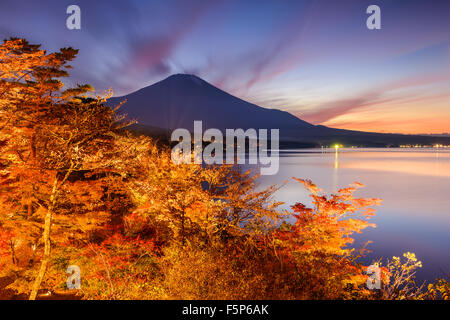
<point>326,228</point>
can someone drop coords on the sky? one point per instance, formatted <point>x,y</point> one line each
<point>313,58</point>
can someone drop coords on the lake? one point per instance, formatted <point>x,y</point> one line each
<point>413,183</point>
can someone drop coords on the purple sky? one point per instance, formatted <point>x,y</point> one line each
<point>315,59</point>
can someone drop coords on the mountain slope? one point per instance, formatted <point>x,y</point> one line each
<point>179,100</point>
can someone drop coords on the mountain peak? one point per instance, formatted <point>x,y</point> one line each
<point>185,77</point>
<point>182,75</point>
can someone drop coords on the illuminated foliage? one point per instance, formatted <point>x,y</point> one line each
<point>53,139</point>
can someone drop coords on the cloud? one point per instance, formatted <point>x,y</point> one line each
<point>330,110</point>
<point>279,53</point>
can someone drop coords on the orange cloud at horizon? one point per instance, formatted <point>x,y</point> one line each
<point>403,127</point>
<point>419,117</point>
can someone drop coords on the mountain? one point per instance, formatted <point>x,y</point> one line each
<point>180,99</point>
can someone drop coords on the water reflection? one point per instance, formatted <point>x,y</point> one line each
<point>414,186</point>
<point>335,172</point>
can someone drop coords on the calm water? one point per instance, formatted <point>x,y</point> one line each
<point>413,183</point>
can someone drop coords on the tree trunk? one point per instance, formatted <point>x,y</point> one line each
<point>182,229</point>
<point>47,245</point>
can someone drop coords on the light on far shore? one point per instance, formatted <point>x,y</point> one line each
<point>424,146</point>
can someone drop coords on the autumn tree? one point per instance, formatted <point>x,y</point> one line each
<point>51,136</point>
<point>316,248</point>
